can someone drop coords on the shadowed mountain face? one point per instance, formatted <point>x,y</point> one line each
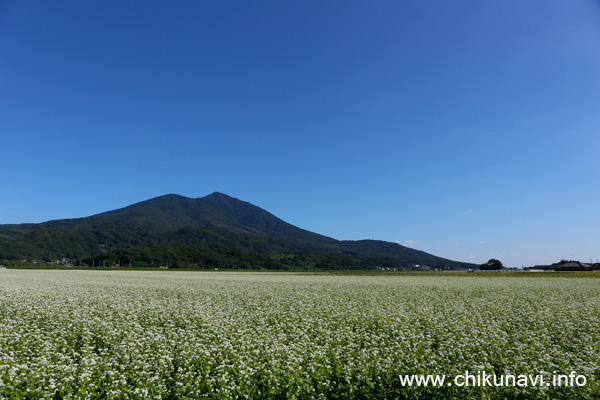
<point>213,222</point>
<point>214,211</point>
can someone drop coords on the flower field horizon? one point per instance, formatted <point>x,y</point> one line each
<point>238,335</point>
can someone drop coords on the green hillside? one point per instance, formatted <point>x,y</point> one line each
<point>186,232</point>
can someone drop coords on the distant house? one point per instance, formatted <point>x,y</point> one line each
<point>574,265</point>
<point>566,266</point>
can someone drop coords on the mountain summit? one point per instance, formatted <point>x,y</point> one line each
<point>188,231</point>
<point>216,211</point>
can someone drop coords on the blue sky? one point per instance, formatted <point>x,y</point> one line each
<point>467,129</point>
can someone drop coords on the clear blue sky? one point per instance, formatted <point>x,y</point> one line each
<point>467,129</point>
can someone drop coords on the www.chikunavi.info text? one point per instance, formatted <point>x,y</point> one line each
<point>482,379</point>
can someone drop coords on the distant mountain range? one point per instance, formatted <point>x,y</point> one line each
<point>216,231</point>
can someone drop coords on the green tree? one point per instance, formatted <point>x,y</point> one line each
<point>492,264</point>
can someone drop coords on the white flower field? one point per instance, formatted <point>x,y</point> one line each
<point>229,335</point>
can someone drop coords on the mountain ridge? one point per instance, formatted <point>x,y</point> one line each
<point>201,225</point>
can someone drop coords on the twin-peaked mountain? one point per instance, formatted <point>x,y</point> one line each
<point>216,231</point>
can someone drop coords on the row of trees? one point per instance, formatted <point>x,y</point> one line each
<point>177,255</point>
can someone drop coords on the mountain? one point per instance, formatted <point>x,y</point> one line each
<point>213,231</point>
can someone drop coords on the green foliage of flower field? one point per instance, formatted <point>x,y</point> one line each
<point>222,335</point>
